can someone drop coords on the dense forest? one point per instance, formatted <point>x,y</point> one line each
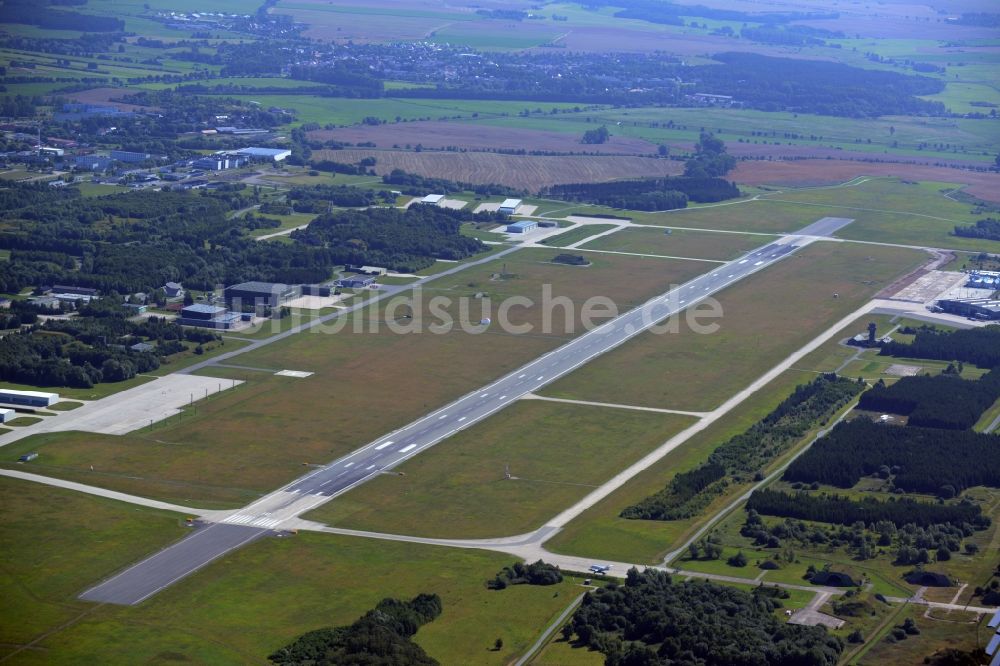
<point>90,349</point>
<point>938,401</point>
<point>988,229</point>
<point>137,241</point>
<point>651,620</point>
<point>980,345</point>
<point>404,241</point>
<point>923,460</point>
<point>319,198</point>
<point>845,511</point>
<point>381,637</point>
<point>40,13</point>
<point>815,86</point>
<point>648,193</point>
<point>746,453</point>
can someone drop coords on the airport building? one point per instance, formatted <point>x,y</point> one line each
<point>522,227</point>
<point>356,281</point>
<point>509,206</point>
<point>208,316</point>
<point>28,398</point>
<point>432,199</point>
<point>264,154</point>
<point>986,309</point>
<point>257,294</point>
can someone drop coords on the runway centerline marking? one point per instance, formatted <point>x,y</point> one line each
<point>383,445</point>
<point>408,448</point>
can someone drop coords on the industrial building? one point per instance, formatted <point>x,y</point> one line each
<point>92,162</point>
<point>983,280</point>
<point>987,309</point>
<point>522,227</point>
<point>258,294</point>
<point>220,162</point>
<point>28,398</point>
<point>356,281</point>
<point>509,206</point>
<point>130,157</point>
<point>208,316</point>
<point>265,154</point>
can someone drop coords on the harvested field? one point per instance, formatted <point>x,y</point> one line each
<point>529,173</point>
<point>825,172</point>
<point>103,96</point>
<point>439,134</point>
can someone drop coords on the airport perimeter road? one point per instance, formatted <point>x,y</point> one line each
<point>302,495</point>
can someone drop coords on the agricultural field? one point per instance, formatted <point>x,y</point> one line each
<point>555,453</point>
<point>225,450</point>
<point>300,583</point>
<point>766,316</point>
<point>517,171</point>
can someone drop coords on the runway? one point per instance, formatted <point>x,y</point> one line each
<point>385,453</point>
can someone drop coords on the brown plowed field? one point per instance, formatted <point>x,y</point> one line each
<point>434,134</point>
<point>825,172</point>
<point>525,172</point>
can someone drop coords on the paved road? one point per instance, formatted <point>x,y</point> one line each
<point>300,496</point>
<point>166,567</point>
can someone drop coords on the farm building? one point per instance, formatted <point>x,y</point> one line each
<point>357,281</point>
<point>264,154</point>
<point>254,294</point>
<point>433,199</point>
<point>522,227</point>
<point>28,398</point>
<point>986,309</point>
<point>207,316</point>
<point>509,206</point>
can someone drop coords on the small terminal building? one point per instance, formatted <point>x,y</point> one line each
<point>28,398</point>
<point>208,316</point>
<point>522,227</point>
<point>259,294</point>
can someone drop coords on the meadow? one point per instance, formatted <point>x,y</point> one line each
<point>679,243</point>
<point>57,543</point>
<point>556,453</point>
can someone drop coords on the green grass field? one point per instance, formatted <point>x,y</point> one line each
<point>765,318</point>
<point>250,440</point>
<point>576,234</point>
<point>679,243</point>
<point>556,454</point>
<point>57,543</point>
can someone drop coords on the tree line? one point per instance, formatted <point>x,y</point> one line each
<point>980,345</point>
<point>381,637</point>
<point>988,229</point>
<point>745,454</point>
<point>648,193</point>
<point>922,460</point>
<point>651,620</point>
<point>841,510</point>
